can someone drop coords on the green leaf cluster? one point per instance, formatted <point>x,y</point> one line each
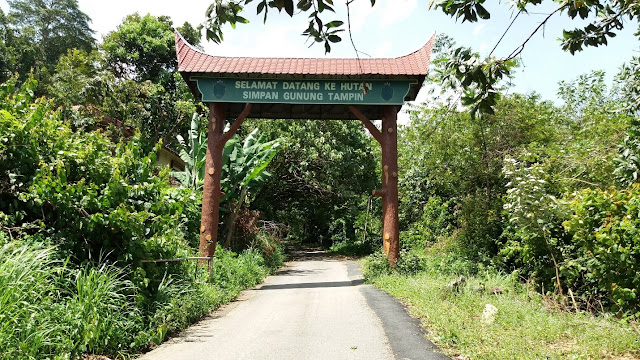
<point>87,195</point>
<point>223,12</point>
<point>321,177</point>
<point>605,225</point>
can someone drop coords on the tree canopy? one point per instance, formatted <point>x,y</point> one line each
<point>142,48</point>
<point>55,25</point>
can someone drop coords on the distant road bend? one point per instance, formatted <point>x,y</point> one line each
<point>317,307</point>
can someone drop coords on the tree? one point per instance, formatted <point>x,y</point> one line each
<point>56,25</point>
<point>244,173</point>
<point>629,79</point>
<point>320,177</point>
<point>18,52</point>
<point>5,68</point>
<point>147,91</point>
<point>142,48</point>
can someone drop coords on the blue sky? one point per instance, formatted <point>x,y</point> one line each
<point>394,28</point>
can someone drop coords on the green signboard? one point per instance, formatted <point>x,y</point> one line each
<point>348,92</point>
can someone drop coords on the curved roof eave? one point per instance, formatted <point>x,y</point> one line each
<point>194,61</point>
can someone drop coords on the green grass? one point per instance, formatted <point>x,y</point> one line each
<point>49,310</point>
<point>526,326</point>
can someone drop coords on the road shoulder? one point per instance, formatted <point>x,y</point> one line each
<point>406,335</point>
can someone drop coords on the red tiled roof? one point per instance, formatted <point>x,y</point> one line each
<point>191,60</point>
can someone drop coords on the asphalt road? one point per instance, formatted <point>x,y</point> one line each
<point>315,308</point>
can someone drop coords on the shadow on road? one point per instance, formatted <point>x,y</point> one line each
<point>301,252</point>
<point>297,272</point>
<point>329,284</point>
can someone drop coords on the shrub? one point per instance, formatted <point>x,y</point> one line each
<point>606,224</point>
<point>269,245</point>
<point>437,221</point>
<point>376,265</point>
<point>86,195</point>
<point>536,241</point>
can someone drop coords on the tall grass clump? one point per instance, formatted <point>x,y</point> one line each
<point>100,313</point>
<point>26,302</point>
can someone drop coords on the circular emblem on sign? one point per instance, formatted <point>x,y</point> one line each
<point>387,92</point>
<point>218,89</point>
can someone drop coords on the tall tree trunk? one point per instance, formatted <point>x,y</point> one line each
<point>391,232</point>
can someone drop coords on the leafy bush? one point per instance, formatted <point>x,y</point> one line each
<point>536,241</point>
<point>84,194</point>
<point>236,272</point>
<point>348,248</point>
<point>417,261</point>
<point>411,262</point>
<point>269,245</point>
<point>437,220</point>
<point>376,265</point>
<point>606,224</point>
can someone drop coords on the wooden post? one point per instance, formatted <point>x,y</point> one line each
<point>388,139</point>
<point>390,226</point>
<point>211,192</point>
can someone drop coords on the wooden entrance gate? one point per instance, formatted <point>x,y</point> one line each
<point>274,88</point>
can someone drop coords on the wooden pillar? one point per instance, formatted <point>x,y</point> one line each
<point>388,139</point>
<point>211,192</point>
<point>390,226</point>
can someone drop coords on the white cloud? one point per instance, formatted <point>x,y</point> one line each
<point>396,11</point>
<point>360,11</point>
<point>382,50</point>
<point>478,29</point>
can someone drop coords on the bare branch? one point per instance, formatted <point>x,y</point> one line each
<point>520,48</point>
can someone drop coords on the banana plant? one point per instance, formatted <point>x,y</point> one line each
<point>244,172</point>
<point>193,152</point>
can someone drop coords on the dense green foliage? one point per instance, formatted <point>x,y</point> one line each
<point>546,193</point>
<point>604,226</point>
<point>76,185</point>
<point>34,34</point>
<point>321,178</point>
<point>85,209</point>
<point>520,190</point>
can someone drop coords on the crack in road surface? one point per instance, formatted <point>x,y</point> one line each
<point>317,307</point>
